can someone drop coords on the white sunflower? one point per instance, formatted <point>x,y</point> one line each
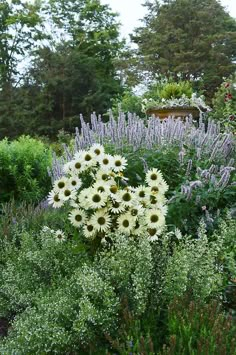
<point>154,201</point>
<point>163,187</point>
<point>113,191</point>
<point>67,194</point>
<point>97,150</point>
<point>89,230</point>
<point>142,193</point>
<point>97,199</point>
<point>153,177</point>
<point>154,233</point>
<point>77,217</point>
<point>119,163</point>
<point>116,207</point>
<point>101,220</point>
<point>67,168</point>
<point>163,209</point>
<point>139,228</point>
<point>126,223</point>
<point>155,219</point>
<point>88,159</point>
<point>60,236</point>
<point>77,166</point>
<point>137,210</point>
<point>79,155</point>
<point>101,186</point>
<point>60,184</point>
<point>106,162</point>
<point>105,176</point>
<point>55,200</point>
<point>74,182</point>
<point>83,198</point>
<point>126,197</point>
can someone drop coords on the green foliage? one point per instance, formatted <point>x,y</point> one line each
<point>224,103</point>
<point>31,265</point>
<point>69,75</point>
<point>183,213</point>
<point>66,319</point>
<point>129,102</point>
<point>174,41</point>
<point>23,169</point>
<point>18,33</point>
<point>62,306</point>
<point>170,90</point>
<point>197,328</point>
<point>192,268</point>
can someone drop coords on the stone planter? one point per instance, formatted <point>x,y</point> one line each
<point>181,112</point>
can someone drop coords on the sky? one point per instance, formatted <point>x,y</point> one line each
<point>132,10</point>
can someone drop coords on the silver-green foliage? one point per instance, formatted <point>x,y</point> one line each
<point>194,268</point>
<point>128,266</point>
<point>85,305</point>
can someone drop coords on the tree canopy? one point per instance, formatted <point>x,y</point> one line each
<point>188,39</point>
<point>72,46</point>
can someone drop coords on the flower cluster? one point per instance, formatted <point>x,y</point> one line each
<point>101,204</point>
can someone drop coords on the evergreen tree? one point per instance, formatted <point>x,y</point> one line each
<point>188,39</point>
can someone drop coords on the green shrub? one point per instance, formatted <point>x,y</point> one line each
<point>193,268</point>
<point>224,103</point>
<point>64,308</point>
<point>23,169</point>
<point>169,90</point>
<point>32,264</point>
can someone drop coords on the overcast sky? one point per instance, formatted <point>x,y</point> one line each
<point>132,10</point>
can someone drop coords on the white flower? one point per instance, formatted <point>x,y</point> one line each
<point>77,166</point>
<point>142,193</point>
<point>67,194</point>
<point>67,168</point>
<point>79,155</point>
<point>97,199</point>
<point>117,207</point>
<point>106,162</point>
<point>126,223</point>
<point>119,163</point>
<point>153,177</point>
<point>139,228</point>
<point>88,159</point>
<point>101,220</point>
<point>160,188</point>
<point>60,184</point>
<point>55,200</point>
<point>60,236</point>
<point>126,197</point>
<point>97,150</point>
<point>77,217</point>
<point>137,210</point>
<point>74,182</point>
<point>154,219</point>
<point>83,198</point>
<point>101,186</point>
<point>89,230</point>
<point>106,176</point>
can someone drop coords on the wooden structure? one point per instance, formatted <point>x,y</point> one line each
<point>181,112</point>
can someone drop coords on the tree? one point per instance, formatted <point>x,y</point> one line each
<point>18,31</point>
<point>188,39</point>
<point>71,72</point>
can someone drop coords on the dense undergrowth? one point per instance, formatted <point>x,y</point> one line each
<point>173,295</point>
